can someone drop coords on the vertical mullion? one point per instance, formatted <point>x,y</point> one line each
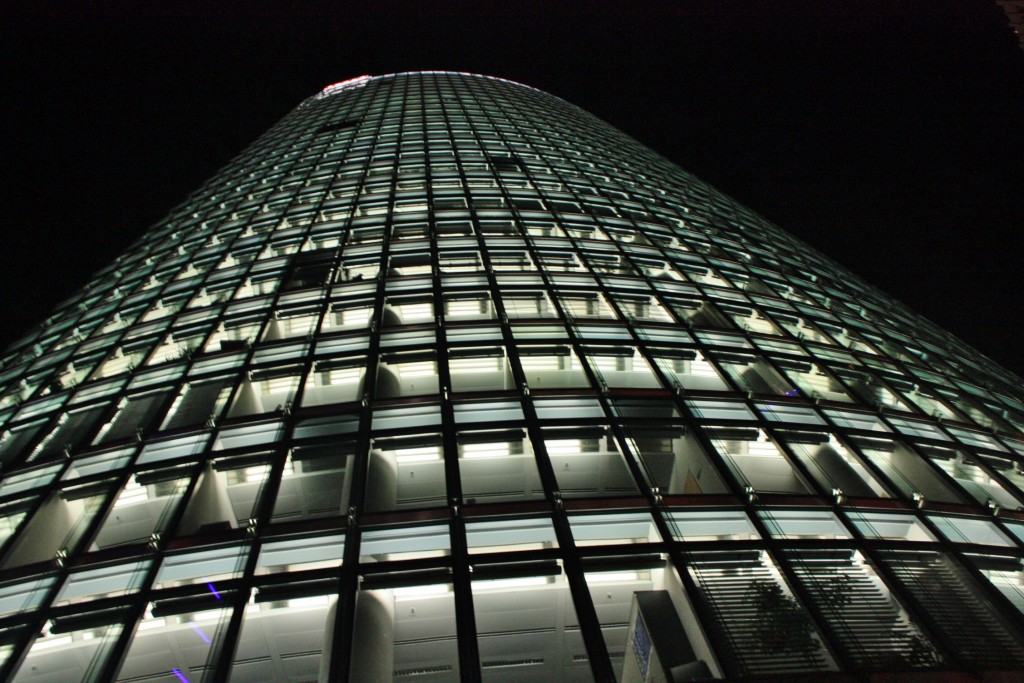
<point>340,657</point>
<point>465,616</point>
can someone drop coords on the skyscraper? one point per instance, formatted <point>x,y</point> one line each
<point>444,378</point>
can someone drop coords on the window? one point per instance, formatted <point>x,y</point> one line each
<point>552,367</point>
<point>133,416</point>
<point>314,483</point>
<point>339,381</point>
<point>480,369</point>
<point>587,463</point>
<point>143,507</point>
<point>756,462</point>
<point>836,468</point>
<point>59,524</point>
<point>907,470</point>
<point>198,403</point>
<point>712,525</point>
<point>268,391</point>
<point>673,460</point>
<point>619,367</point>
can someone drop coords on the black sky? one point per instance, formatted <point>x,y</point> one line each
<point>885,133</point>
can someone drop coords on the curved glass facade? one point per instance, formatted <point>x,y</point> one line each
<point>444,378</point>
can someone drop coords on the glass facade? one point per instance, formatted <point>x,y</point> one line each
<point>441,372</point>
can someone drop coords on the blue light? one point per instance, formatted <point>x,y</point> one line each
<point>199,632</point>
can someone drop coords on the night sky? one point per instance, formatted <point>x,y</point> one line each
<point>885,133</point>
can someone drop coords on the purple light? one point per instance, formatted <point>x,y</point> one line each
<point>199,632</point>
<point>216,594</point>
<point>181,676</point>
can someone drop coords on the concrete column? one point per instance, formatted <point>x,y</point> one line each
<point>382,482</point>
<point>209,503</point>
<point>47,530</point>
<point>373,657</point>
